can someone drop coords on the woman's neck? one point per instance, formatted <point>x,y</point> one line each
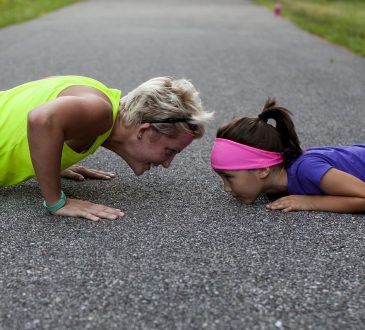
<point>118,138</point>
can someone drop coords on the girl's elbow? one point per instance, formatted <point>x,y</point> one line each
<point>356,205</point>
<point>361,206</point>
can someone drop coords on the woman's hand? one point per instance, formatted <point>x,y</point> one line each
<point>84,209</point>
<point>293,203</point>
<point>80,173</point>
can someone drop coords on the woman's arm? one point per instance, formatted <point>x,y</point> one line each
<point>66,118</point>
<point>344,194</point>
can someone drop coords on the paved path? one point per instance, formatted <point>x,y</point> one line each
<point>186,256</point>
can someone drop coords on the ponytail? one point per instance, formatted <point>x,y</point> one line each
<point>258,133</point>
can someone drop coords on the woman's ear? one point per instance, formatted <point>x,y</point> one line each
<point>142,129</point>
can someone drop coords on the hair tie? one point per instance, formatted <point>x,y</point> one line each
<point>261,117</point>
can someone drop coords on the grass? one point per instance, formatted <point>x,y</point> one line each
<point>16,11</point>
<point>339,21</point>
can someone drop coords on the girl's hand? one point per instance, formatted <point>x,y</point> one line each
<point>80,173</point>
<point>292,203</point>
<point>84,209</point>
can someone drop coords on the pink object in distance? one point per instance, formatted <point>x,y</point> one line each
<point>277,9</point>
<point>229,155</point>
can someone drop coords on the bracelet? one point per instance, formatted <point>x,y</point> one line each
<point>55,207</point>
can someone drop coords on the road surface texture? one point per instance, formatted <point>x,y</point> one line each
<point>186,255</point>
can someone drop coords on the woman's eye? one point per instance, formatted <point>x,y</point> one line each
<point>171,152</point>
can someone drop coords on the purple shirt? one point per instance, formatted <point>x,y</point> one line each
<point>305,174</point>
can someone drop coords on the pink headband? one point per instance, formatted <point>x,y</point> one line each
<point>230,155</point>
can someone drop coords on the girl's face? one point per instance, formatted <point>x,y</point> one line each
<point>244,185</point>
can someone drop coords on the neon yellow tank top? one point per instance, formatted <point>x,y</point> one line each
<point>15,104</point>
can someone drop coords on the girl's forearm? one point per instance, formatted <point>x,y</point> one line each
<point>328,203</point>
<point>340,204</point>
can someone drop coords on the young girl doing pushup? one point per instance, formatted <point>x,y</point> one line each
<point>254,157</point>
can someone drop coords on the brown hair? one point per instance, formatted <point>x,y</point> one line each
<point>258,133</point>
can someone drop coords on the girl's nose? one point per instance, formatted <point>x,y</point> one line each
<point>227,187</point>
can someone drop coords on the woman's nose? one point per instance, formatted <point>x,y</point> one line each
<point>168,161</point>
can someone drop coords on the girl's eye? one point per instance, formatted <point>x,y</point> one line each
<point>227,176</point>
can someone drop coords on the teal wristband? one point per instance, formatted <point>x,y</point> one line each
<point>55,207</point>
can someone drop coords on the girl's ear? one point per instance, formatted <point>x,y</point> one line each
<point>263,173</point>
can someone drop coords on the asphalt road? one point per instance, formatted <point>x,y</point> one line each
<point>185,256</point>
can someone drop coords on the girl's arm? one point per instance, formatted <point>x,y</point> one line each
<point>66,118</point>
<point>344,194</point>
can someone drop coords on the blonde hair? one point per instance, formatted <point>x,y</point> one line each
<point>164,99</point>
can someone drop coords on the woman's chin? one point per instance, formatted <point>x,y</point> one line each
<point>244,200</point>
<point>141,169</point>
<point>138,171</point>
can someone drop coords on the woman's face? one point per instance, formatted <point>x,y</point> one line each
<point>155,149</point>
<point>244,185</point>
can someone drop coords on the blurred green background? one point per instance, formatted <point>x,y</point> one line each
<point>16,11</point>
<point>339,21</point>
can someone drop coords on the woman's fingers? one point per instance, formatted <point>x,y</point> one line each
<point>96,174</point>
<point>78,172</point>
<point>70,174</point>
